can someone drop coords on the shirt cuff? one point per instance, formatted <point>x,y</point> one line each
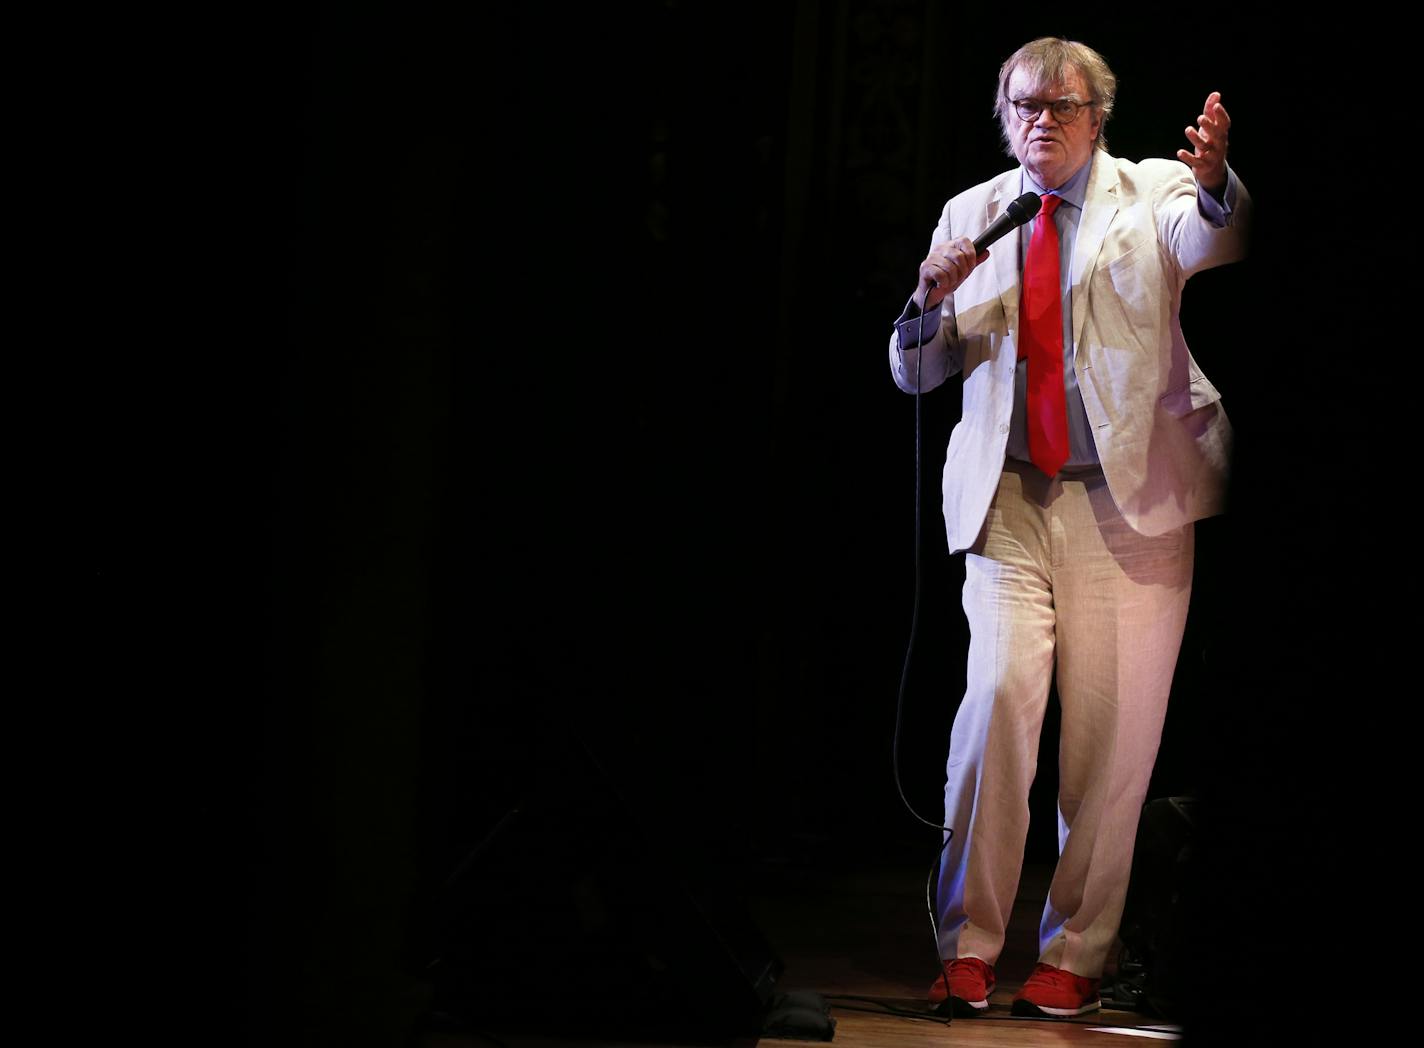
<point>1218,212</point>
<point>913,323</point>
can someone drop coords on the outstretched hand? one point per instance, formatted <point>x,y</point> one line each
<point>1208,156</point>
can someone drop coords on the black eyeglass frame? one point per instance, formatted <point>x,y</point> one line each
<point>1065,110</point>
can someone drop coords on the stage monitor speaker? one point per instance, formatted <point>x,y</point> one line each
<point>569,917</point>
<point>1154,922</point>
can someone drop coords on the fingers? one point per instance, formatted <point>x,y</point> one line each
<point>1214,111</point>
<point>1212,126</point>
<point>1203,171</point>
<point>1208,139</point>
<point>1207,136</point>
<point>946,267</point>
<point>1209,132</point>
<point>1191,160</point>
<point>1214,117</point>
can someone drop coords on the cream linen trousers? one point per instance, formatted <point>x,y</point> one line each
<point>1058,576</point>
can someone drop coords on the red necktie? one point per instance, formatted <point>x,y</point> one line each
<point>1041,341</point>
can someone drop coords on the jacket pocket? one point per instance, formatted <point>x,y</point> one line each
<point>1196,394</point>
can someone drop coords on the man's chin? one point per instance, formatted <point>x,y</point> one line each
<point>1049,176</point>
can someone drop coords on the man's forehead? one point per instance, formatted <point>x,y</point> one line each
<point>1024,84</point>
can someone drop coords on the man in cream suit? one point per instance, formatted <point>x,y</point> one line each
<point>1089,443</point>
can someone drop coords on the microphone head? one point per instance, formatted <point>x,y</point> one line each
<point>1024,208</point>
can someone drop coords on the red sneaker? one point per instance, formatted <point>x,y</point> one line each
<point>1054,992</point>
<point>970,982</point>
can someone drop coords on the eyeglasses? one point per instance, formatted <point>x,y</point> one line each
<point>1064,110</point>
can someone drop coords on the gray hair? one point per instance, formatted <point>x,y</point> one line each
<point>1046,61</point>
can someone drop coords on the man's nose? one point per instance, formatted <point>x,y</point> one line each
<point>1045,117</point>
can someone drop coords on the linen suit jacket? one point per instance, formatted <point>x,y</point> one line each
<point>1161,434</point>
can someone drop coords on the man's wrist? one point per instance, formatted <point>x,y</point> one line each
<point>1217,207</point>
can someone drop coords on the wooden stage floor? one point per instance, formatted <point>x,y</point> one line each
<point>867,935</point>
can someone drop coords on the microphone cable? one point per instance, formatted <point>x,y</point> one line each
<point>910,645</point>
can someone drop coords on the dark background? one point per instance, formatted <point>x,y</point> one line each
<point>545,404</point>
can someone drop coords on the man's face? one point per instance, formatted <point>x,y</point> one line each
<point>1051,151</point>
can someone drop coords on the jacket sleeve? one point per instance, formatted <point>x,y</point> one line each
<point>941,355</point>
<point>1198,234</point>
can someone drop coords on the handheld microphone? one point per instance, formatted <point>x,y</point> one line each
<point>1016,214</point>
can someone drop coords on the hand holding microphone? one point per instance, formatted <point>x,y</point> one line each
<point>944,269</point>
<point>951,262</point>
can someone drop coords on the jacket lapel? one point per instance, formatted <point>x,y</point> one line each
<point>1004,256</point>
<point>1100,204</point>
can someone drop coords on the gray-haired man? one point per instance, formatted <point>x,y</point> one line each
<point>1089,443</point>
